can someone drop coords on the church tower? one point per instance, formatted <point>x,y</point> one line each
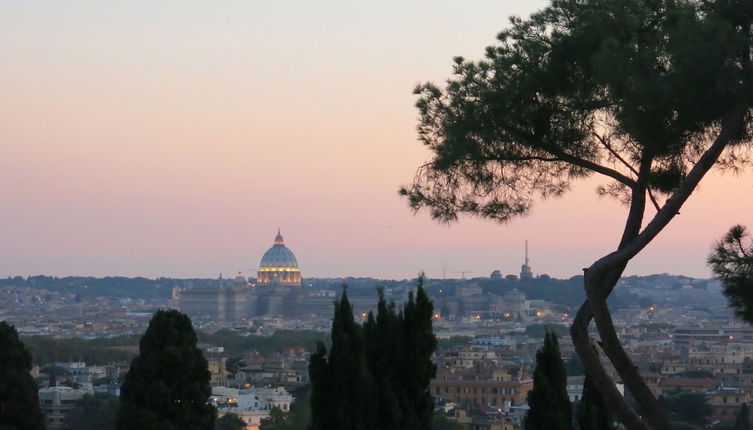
<point>525,269</point>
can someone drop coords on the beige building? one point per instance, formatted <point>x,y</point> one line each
<point>495,387</point>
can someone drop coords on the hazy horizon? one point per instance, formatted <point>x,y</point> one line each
<point>173,139</point>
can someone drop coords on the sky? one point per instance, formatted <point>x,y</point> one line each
<point>155,138</point>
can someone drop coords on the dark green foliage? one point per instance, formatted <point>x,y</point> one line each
<point>229,422</point>
<point>648,94</point>
<point>19,400</point>
<point>167,385</point>
<point>563,95</point>
<point>298,418</point>
<point>592,411</point>
<point>238,343</point>
<point>453,342</point>
<point>343,390</point>
<point>742,422</point>
<point>566,292</point>
<point>376,376</point>
<point>696,374</point>
<point>46,350</point>
<point>440,422</point>
<point>111,286</point>
<point>94,412</point>
<point>691,408</point>
<point>277,420</point>
<point>732,261</point>
<point>550,406</point>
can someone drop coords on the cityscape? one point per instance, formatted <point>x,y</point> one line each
<point>518,215</point>
<point>680,331</point>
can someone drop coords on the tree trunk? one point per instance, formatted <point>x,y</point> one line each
<point>602,276</point>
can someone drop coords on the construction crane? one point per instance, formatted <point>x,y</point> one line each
<point>462,273</point>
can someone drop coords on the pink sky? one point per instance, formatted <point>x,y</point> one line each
<point>173,138</point>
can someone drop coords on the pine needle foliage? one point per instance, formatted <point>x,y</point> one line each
<point>732,262</point>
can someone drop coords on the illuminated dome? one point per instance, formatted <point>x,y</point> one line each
<point>278,265</point>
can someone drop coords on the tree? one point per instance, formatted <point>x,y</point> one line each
<point>440,422</point>
<point>94,412</point>
<point>691,408</point>
<point>277,420</point>
<point>732,262</point>
<point>592,412</point>
<point>743,418</point>
<point>563,96</point>
<point>298,418</point>
<point>19,399</point>
<point>167,384</point>
<point>548,401</point>
<point>343,388</point>
<point>230,422</point>
<point>377,375</point>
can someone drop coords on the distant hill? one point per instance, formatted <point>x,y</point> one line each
<point>633,291</point>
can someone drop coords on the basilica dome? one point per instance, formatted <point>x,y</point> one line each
<point>279,265</point>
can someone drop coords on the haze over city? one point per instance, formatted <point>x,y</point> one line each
<point>144,139</point>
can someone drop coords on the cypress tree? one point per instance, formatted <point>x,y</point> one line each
<point>321,385</point>
<point>167,385</point>
<point>387,351</point>
<point>349,398</point>
<point>418,369</point>
<point>376,376</point>
<point>743,418</point>
<point>548,402</point>
<point>19,396</point>
<point>592,412</point>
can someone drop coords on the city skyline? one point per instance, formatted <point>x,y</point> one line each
<point>144,139</point>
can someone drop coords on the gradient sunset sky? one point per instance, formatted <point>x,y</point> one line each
<point>148,138</point>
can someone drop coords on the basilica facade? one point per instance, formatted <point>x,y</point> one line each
<point>277,291</point>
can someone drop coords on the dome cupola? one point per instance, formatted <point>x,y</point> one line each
<point>279,265</point>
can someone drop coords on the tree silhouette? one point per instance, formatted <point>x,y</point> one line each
<point>167,384</point>
<point>650,108</point>
<point>549,404</point>
<point>732,262</point>
<point>376,376</point>
<point>742,422</point>
<point>94,412</point>
<point>592,412</point>
<point>19,399</point>
<point>231,422</point>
